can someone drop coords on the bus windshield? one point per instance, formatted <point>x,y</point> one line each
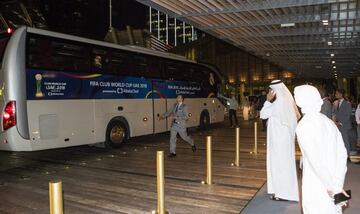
<point>3,42</point>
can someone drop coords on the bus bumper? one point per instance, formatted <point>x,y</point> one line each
<point>10,140</point>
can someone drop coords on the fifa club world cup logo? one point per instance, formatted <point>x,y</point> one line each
<point>38,93</point>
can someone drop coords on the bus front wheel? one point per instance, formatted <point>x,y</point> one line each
<point>204,120</point>
<point>116,134</point>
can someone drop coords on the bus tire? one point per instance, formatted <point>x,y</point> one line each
<point>117,133</point>
<point>204,120</point>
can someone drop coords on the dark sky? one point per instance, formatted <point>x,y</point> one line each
<point>90,18</point>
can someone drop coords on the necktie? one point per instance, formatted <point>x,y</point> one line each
<point>177,108</point>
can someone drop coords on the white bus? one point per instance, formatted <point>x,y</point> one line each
<point>60,90</point>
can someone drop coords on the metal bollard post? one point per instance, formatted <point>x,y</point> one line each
<point>208,161</point>
<point>160,182</point>
<point>237,153</point>
<point>255,139</point>
<point>56,197</point>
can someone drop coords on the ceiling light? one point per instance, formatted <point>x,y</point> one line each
<point>329,43</point>
<point>332,55</point>
<point>334,67</point>
<point>325,20</point>
<point>318,66</point>
<point>288,25</point>
<point>333,62</point>
<point>325,23</point>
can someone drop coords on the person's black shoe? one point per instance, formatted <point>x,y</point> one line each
<point>274,198</point>
<point>193,148</point>
<point>171,155</point>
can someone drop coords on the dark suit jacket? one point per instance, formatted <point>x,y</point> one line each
<point>326,108</point>
<point>262,100</point>
<point>343,115</point>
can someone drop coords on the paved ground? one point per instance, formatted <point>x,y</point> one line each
<point>97,180</point>
<point>261,203</point>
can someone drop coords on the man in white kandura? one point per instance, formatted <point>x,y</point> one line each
<point>324,155</point>
<point>282,115</point>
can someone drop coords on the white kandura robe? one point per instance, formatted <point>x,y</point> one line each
<point>324,163</point>
<point>280,157</point>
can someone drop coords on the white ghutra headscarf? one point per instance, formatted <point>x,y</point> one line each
<point>284,106</point>
<point>308,99</point>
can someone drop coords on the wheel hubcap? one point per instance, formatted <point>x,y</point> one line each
<point>117,134</point>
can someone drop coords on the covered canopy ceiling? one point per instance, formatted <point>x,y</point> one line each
<point>313,38</point>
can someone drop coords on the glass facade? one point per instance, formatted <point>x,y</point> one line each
<point>170,30</point>
<point>241,68</point>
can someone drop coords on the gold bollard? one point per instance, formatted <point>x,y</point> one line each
<point>255,139</point>
<point>56,197</point>
<point>160,182</point>
<point>208,161</point>
<point>237,153</point>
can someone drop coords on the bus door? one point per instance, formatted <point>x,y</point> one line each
<point>159,105</point>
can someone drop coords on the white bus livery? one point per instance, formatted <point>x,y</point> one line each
<point>60,90</point>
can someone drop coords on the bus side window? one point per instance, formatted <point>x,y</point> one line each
<point>57,54</point>
<point>188,71</point>
<point>38,53</point>
<point>146,66</point>
<point>99,60</point>
<point>3,43</point>
<point>209,82</point>
<point>70,57</point>
<point>175,71</point>
<point>197,75</point>
<point>120,63</point>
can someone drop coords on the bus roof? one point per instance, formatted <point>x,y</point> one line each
<point>107,44</point>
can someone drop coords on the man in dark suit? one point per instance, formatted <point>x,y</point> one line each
<point>262,99</point>
<point>180,116</point>
<point>343,119</point>
<point>326,107</point>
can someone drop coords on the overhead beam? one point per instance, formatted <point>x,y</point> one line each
<point>281,19</point>
<point>257,5</point>
<point>297,32</point>
<point>320,51</point>
<point>317,46</point>
<point>308,41</point>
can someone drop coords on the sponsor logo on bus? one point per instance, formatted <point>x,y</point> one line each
<point>45,85</point>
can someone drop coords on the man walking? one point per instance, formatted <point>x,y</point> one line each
<point>282,115</point>
<point>180,116</point>
<point>233,106</point>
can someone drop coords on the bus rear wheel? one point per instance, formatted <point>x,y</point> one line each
<point>116,134</point>
<point>204,120</point>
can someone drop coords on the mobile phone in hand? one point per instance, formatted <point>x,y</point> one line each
<point>340,197</point>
